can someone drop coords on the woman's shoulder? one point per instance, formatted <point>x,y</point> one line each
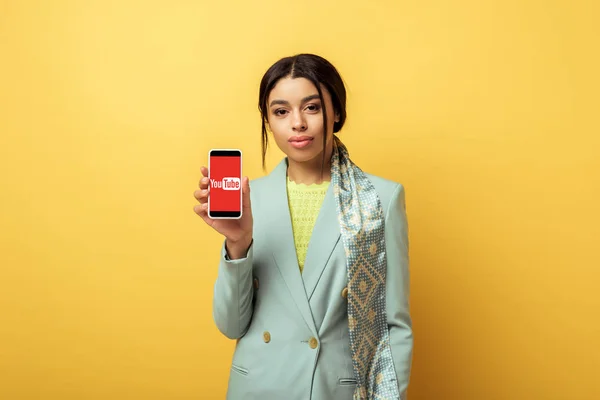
<point>260,185</point>
<point>384,185</point>
<point>258,182</point>
<point>389,191</point>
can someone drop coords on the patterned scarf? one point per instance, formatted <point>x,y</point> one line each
<point>362,228</point>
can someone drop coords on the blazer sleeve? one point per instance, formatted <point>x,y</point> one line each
<point>233,294</point>
<point>397,288</point>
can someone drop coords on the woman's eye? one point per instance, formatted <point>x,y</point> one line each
<point>279,112</point>
<point>313,107</point>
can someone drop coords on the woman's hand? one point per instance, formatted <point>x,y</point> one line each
<point>237,232</point>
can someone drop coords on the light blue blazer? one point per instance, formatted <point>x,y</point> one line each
<point>292,328</point>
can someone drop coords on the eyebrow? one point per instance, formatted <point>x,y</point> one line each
<point>285,102</point>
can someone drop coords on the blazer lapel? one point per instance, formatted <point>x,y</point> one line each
<point>326,234</point>
<point>284,249</point>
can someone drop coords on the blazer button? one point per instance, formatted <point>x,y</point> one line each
<point>345,293</point>
<point>267,337</point>
<point>256,283</point>
<point>313,343</point>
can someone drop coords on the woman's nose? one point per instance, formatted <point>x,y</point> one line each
<point>299,124</point>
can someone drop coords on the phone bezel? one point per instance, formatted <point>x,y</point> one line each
<point>224,214</point>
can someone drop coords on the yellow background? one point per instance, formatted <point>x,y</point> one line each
<point>486,111</point>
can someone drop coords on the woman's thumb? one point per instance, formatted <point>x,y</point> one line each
<point>246,192</point>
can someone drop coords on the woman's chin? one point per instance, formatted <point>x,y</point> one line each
<point>301,156</point>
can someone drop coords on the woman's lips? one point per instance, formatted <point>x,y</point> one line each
<point>298,144</point>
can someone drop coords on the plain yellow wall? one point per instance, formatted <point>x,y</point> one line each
<point>486,111</point>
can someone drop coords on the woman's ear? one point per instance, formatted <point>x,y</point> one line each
<point>337,117</point>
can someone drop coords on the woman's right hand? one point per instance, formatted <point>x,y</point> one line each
<point>238,232</point>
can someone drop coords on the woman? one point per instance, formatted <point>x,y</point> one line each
<point>313,279</point>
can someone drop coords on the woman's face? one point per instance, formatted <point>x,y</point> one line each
<point>296,119</point>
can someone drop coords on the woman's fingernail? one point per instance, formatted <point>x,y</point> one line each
<point>204,206</point>
<point>204,191</point>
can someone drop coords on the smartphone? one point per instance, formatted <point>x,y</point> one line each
<point>225,184</point>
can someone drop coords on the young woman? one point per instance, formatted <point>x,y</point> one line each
<point>313,280</point>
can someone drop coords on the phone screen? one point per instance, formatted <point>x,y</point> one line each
<point>225,184</point>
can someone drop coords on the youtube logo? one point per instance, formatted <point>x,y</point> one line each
<point>226,184</point>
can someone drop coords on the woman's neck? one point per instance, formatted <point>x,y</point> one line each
<point>308,172</point>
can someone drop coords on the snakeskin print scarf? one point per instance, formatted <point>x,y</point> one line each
<point>362,228</point>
